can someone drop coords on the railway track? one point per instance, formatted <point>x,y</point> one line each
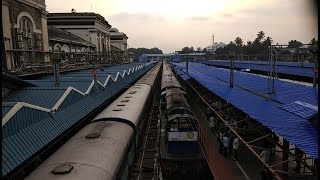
<point>146,165</point>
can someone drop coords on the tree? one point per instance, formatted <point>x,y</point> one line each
<point>294,44</point>
<point>155,51</point>
<point>239,41</point>
<point>185,50</point>
<point>198,48</point>
<point>260,36</point>
<point>268,41</point>
<point>314,42</point>
<point>221,50</point>
<point>139,51</point>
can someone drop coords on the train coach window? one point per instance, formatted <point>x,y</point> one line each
<point>128,97</point>
<point>121,105</point>
<point>117,109</point>
<point>125,100</point>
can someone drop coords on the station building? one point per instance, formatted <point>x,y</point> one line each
<point>89,26</point>
<point>64,41</point>
<point>24,25</point>
<point>118,39</point>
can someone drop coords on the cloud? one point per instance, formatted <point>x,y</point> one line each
<point>199,18</point>
<point>136,18</point>
<point>227,15</point>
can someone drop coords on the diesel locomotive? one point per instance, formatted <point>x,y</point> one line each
<point>180,154</point>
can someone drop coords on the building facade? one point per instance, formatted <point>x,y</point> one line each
<point>64,41</point>
<point>24,32</point>
<point>215,46</point>
<point>91,27</point>
<point>118,39</point>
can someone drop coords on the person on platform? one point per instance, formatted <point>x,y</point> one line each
<point>226,142</point>
<point>220,140</point>
<point>265,154</point>
<point>235,146</point>
<point>208,113</point>
<point>212,124</point>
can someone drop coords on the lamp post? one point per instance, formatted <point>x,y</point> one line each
<point>231,58</point>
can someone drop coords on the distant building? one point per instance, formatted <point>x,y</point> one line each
<point>89,26</point>
<point>118,39</point>
<point>64,41</point>
<point>25,33</point>
<point>212,48</point>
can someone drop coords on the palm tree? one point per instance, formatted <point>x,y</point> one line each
<point>260,36</point>
<point>239,41</point>
<point>267,42</point>
<point>314,42</point>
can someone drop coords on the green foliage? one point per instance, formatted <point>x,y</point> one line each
<point>239,42</point>
<point>294,44</point>
<point>139,51</point>
<point>314,42</point>
<point>260,45</point>
<point>187,49</point>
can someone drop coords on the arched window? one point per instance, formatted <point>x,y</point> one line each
<point>57,47</point>
<point>65,48</point>
<point>26,25</point>
<point>103,44</point>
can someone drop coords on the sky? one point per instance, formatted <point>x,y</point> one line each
<point>171,25</point>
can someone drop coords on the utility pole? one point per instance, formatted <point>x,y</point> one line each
<point>315,69</point>
<point>94,72</point>
<point>56,72</point>
<point>273,57</point>
<point>230,56</point>
<point>187,65</point>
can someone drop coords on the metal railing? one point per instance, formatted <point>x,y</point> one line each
<point>27,62</point>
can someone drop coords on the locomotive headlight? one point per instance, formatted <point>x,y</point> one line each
<point>190,135</point>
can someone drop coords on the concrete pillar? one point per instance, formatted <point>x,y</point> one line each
<point>285,154</point>
<point>109,45</point>
<point>7,36</point>
<point>45,39</point>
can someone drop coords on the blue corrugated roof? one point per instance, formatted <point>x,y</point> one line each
<point>300,110</point>
<point>29,130</point>
<point>44,97</point>
<point>279,63</point>
<point>88,72</point>
<point>80,85</point>
<point>292,68</point>
<point>286,92</point>
<point>6,107</point>
<point>297,130</point>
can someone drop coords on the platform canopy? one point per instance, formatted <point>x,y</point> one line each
<point>285,112</point>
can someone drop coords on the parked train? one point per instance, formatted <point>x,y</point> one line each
<point>179,149</point>
<point>104,149</point>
